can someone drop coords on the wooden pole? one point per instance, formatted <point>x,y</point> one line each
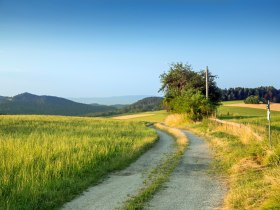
<point>207,82</point>
<point>269,124</point>
<point>270,143</point>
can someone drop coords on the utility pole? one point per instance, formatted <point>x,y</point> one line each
<point>207,82</point>
<point>269,122</point>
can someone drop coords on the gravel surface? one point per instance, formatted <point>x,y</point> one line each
<point>111,193</point>
<point>191,186</point>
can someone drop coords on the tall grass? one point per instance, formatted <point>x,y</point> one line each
<point>266,177</point>
<point>46,160</point>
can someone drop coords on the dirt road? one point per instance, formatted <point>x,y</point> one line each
<point>191,186</point>
<point>111,193</point>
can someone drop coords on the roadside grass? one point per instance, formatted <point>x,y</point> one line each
<point>271,158</point>
<point>46,161</point>
<point>161,173</point>
<point>251,167</point>
<point>256,119</point>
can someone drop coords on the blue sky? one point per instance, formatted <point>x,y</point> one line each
<point>87,48</point>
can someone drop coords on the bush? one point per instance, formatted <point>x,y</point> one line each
<point>252,100</point>
<point>193,103</point>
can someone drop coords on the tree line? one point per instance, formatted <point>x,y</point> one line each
<point>240,93</point>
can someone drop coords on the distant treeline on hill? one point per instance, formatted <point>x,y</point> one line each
<point>27,103</point>
<point>144,105</point>
<point>239,93</point>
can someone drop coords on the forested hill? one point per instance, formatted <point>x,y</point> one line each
<point>27,103</point>
<point>146,104</point>
<point>143,105</point>
<point>240,93</point>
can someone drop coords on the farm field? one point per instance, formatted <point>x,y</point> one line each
<point>47,160</point>
<point>256,118</point>
<point>127,117</point>
<point>273,106</point>
<point>156,116</point>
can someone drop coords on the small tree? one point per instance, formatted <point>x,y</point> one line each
<point>184,91</point>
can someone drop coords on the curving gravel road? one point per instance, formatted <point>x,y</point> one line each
<point>115,190</point>
<point>191,186</point>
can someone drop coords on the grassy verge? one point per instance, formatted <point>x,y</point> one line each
<point>161,173</point>
<point>46,160</point>
<point>252,169</point>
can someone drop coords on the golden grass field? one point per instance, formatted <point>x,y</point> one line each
<point>46,160</point>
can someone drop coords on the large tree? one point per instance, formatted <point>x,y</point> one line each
<point>182,86</point>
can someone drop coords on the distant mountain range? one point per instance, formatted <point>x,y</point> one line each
<point>123,100</point>
<point>27,103</point>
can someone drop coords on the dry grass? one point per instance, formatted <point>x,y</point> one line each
<point>181,139</point>
<point>247,132</point>
<point>244,132</point>
<point>244,164</point>
<point>132,116</point>
<point>176,120</point>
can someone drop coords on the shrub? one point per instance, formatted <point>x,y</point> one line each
<point>252,100</point>
<point>193,103</point>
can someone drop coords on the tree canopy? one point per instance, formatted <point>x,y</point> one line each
<point>184,91</point>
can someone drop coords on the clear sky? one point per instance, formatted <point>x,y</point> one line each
<point>86,48</point>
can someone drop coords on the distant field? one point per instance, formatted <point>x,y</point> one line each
<point>127,117</point>
<point>156,116</point>
<point>46,160</point>
<point>232,102</point>
<point>252,116</point>
<point>273,106</point>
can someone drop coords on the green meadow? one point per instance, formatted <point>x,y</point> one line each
<point>256,118</point>
<point>46,160</point>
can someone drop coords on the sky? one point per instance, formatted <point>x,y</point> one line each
<point>101,48</point>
